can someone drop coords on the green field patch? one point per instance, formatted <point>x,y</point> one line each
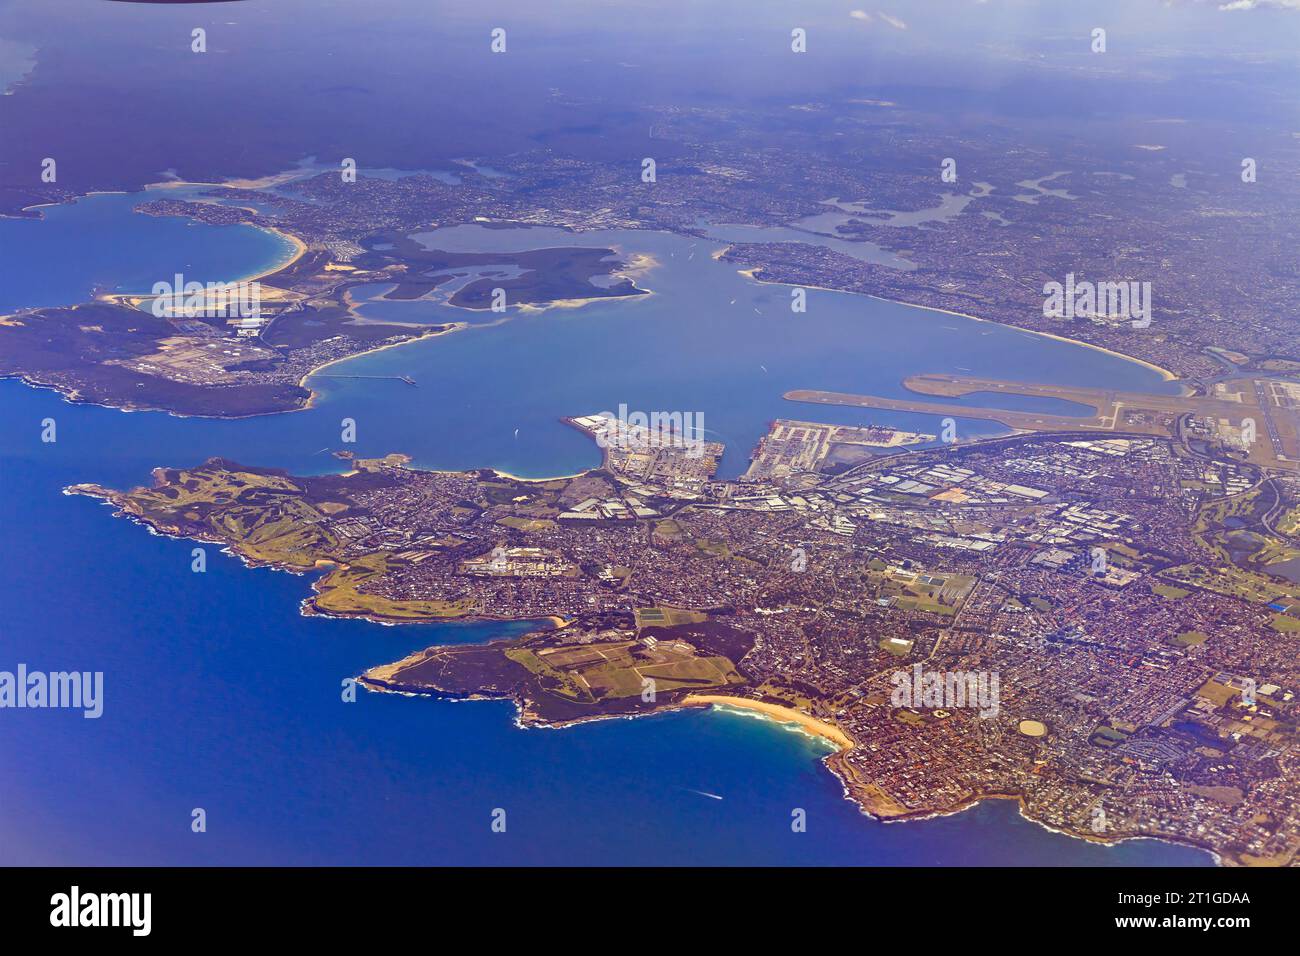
<point>927,591</point>
<point>527,524</point>
<point>1232,581</point>
<point>619,669</point>
<point>667,616</point>
<point>340,593</point>
<point>1107,736</point>
<point>716,549</point>
<point>669,530</point>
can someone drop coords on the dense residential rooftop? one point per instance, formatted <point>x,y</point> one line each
<point>1118,656</point>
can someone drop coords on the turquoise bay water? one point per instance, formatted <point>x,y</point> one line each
<point>219,695</point>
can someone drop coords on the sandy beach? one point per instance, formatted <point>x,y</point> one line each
<point>785,715</point>
<point>299,247</point>
<point>1164,373</point>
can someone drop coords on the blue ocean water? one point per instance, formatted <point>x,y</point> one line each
<point>219,695</point>
<point>95,245</point>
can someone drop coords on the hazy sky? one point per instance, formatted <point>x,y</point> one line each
<point>284,79</point>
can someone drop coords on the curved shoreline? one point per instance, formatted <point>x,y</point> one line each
<point>1164,373</point>
<point>774,712</point>
<point>723,248</point>
<point>857,791</point>
<point>311,398</point>
<point>777,713</point>
<point>972,802</point>
<point>299,249</point>
<point>642,263</point>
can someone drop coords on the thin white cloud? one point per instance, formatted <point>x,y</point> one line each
<point>860,15</point>
<point>1259,4</point>
<point>894,22</point>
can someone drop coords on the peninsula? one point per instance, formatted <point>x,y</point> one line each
<point>1091,624</point>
